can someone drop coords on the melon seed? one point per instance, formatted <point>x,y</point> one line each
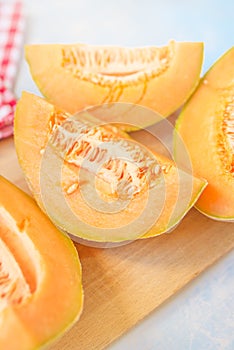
<point>71,189</point>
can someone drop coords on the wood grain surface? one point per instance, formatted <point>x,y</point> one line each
<point>122,285</point>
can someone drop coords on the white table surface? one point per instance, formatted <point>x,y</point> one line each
<point>201,316</point>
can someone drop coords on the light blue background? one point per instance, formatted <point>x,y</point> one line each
<point>201,317</point>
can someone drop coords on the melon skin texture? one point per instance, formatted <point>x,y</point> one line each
<point>181,190</point>
<point>77,76</point>
<point>206,127</point>
<point>43,296</point>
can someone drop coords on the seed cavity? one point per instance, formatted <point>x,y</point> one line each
<point>226,136</point>
<point>56,118</point>
<point>20,265</point>
<point>126,166</point>
<point>122,67</point>
<point>13,287</point>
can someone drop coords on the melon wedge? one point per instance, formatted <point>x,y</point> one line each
<point>40,274</point>
<point>206,125</point>
<point>77,76</point>
<point>147,213</point>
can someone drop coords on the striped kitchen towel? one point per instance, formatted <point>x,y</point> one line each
<point>11,41</point>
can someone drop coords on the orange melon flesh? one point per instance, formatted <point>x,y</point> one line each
<point>42,295</point>
<point>178,191</point>
<point>77,76</point>
<point>206,125</point>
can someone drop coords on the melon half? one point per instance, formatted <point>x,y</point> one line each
<point>206,125</point>
<point>41,292</point>
<point>77,76</point>
<point>120,201</point>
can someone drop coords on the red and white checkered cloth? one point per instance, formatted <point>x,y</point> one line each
<point>11,40</point>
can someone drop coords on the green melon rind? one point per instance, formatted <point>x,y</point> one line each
<point>215,217</point>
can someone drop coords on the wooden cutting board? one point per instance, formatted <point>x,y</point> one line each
<point>122,285</point>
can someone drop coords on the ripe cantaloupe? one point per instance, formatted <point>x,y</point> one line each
<point>41,292</point>
<point>77,76</point>
<point>122,200</point>
<point>206,125</point>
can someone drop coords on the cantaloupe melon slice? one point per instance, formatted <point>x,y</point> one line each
<point>40,274</point>
<point>77,76</point>
<point>70,198</point>
<point>206,125</point>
